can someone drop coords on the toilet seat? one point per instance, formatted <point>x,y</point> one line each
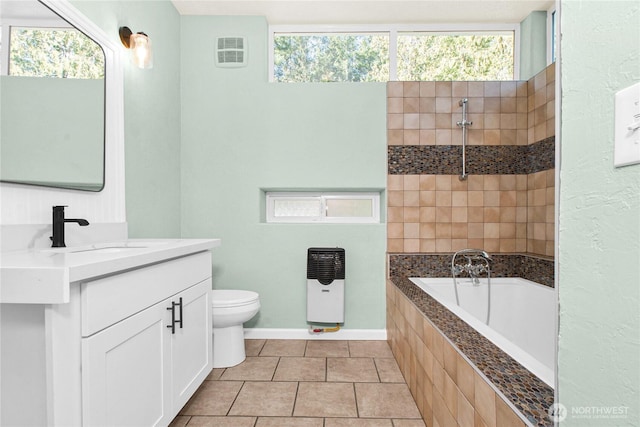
<point>226,298</point>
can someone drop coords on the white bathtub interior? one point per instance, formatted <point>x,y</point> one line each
<point>521,321</point>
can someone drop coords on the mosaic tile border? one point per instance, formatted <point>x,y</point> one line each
<point>536,269</point>
<point>481,159</point>
<point>527,393</point>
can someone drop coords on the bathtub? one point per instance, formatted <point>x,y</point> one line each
<point>521,320</point>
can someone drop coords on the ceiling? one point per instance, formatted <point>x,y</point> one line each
<point>369,12</point>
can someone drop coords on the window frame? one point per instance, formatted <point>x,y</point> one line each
<point>552,34</point>
<point>322,196</point>
<point>393,30</point>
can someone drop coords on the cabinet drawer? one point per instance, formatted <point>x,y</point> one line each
<point>111,299</point>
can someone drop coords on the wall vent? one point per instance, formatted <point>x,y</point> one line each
<point>231,52</point>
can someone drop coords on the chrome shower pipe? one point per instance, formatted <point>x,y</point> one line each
<point>463,124</point>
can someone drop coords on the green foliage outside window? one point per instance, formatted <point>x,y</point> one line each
<point>331,58</point>
<point>336,57</point>
<point>63,53</point>
<point>455,57</point>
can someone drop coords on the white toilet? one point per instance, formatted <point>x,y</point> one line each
<point>231,308</point>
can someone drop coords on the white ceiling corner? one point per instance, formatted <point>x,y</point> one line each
<point>369,12</point>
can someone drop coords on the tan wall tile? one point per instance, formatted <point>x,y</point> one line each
<point>411,137</point>
<point>443,89</point>
<point>427,137</point>
<point>427,245</point>
<point>410,105</point>
<point>427,89</point>
<point>476,89</point>
<point>395,137</point>
<point>505,416</point>
<point>411,89</point>
<point>484,400</point>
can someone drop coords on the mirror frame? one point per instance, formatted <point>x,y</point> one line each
<point>113,159</point>
<point>66,16</point>
<point>30,204</point>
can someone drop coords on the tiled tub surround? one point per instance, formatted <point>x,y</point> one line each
<point>507,203</point>
<point>456,376</point>
<point>536,269</point>
<point>497,213</point>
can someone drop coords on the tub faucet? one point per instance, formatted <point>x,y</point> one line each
<point>58,226</point>
<point>474,270</point>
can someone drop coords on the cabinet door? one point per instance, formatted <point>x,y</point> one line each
<point>126,378</point>
<point>191,346</point>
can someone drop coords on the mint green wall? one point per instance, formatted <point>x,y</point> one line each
<point>533,44</point>
<point>599,237</point>
<point>52,131</point>
<point>152,114</point>
<point>241,134</point>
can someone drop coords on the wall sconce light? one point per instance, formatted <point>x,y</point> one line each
<point>140,45</point>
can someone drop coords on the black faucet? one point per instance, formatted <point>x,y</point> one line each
<point>58,226</point>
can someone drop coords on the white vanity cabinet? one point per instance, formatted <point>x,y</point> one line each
<point>143,368</point>
<point>130,347</point>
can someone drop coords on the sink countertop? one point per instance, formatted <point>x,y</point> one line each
<point>44,276</point>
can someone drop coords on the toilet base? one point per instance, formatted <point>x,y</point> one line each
<point>228,346</point>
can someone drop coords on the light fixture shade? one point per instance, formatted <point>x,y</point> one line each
<point>141,52</point>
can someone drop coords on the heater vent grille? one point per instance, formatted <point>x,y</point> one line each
<point>231,52</point>
<point>325,264</point>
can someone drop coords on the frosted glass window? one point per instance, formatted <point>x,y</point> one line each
<point>352,207</point>
<point>349,207</point>
<point>297,207</point>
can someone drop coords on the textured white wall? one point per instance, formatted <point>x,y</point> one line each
<point>599,225</point>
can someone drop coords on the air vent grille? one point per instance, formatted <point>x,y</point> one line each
<point>231,52</point>
<point>325,264</point>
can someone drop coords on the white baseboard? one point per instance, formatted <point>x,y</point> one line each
<point>303,334</point>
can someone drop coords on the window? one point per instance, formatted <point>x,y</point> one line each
<point>335,57</point>
<point>381,53</point>
<point>434,56</point>
<point>54,52</point>
<point>304,207</point>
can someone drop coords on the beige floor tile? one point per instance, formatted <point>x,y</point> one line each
<point>265,399</point>
<point>212,398</point>
<point>325,400</point>
<point>284,348</point>
<point>385,401</point>
<point>408,423</point>
<point>252,369</point>
<point>351,369</point>
<point>369,349</point>
<point>356,422</point>
<point>328,348</point>
<point>289,422</point>
<point>388,370</point>
<point>253,347</point>
<point>180,421</point>
<point>301,369</point>
<point>215,374</point>
<point>222,422</point>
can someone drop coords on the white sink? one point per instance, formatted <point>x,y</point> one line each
<point>109,248</point>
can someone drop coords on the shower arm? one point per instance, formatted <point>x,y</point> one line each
<point>463,124</point>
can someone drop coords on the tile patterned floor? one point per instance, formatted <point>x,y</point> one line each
<point>301,383</point>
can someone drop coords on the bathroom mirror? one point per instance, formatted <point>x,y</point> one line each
<point>52,108</point>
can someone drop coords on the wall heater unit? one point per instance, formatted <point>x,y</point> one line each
<point>325,285</point>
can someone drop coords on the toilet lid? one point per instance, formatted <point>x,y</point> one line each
<point>232,297</point>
